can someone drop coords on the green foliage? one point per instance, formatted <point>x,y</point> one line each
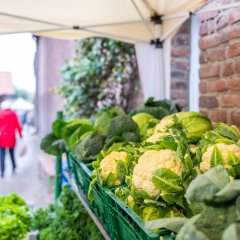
<point>101,75</point>
<point>67,219</point>
<point>207,184</point>
<point>104,117</point>
<point>167,180</point>
<point>142,120</point>
<point>220,198</point>
<point>125,128</point>
<point>230,132</point>
<point>52,145</point>
<point>15,220</point>
<point>88,148</point>
<point>194,124</point>
<point>158,109</point>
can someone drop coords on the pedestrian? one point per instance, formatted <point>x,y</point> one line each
<point>9,124</point>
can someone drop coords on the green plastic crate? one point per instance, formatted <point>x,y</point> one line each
<point>120,221</point>
<point>81,173</point>
<point>128,225</point>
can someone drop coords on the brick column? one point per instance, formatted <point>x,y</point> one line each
<point>180,61</point>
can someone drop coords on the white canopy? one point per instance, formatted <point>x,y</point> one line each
<point>126,20</point>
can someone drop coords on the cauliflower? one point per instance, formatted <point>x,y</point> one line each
<point>225,150</point>
<point>155,137</point>
<point>164,124</point>
<point>161,129</point>
<point>109,166</point>
<point>148,163</point>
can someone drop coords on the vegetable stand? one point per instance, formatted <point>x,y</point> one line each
<point>136,181</point>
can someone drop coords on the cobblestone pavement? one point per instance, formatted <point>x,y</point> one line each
<point>29,181</point>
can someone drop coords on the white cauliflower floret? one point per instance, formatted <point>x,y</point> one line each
<point>109,165</point>
<point>164,124</point>
<point>155,137</point>
<point>148,163</point>
<point>224,149</point>
<point>161,129</point>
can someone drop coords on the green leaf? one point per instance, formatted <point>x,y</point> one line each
<point>121,171</point>
<point>205,185</point>
<point>168,145</point>
<point>57,127</point>
<point>167,181</point>
<point>216,157</point>
<point>187,166</point>
<point>152,213</point>
<point>236,169</point>
<point>77,135</point>
<point>110,179</point>
<point>173,224</point>
<point>232,158</point>
<point>189,231</point>
<point>231,232</point>
<point>230,132</point>
<point>228,193</point>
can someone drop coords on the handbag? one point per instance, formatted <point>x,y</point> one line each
<point>23,151</point>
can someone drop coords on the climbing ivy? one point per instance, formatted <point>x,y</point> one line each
<point>101,74</point>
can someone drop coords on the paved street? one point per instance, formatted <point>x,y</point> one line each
<point>30,181</point>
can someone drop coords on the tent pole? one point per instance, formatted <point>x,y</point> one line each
<point>143,19</point>
<point>31,19</point>
<point>160,68</point>
<point>58,169</point>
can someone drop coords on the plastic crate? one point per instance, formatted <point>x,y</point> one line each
<point>81,173</point>
<point>128,225</point>
<point>120,221</point>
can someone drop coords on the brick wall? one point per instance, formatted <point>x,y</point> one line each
<point>220,65</point>
<point>180,62</point>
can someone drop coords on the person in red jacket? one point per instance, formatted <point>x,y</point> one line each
<point>9,124</point>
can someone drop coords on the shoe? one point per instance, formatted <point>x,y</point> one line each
<point>2,175</point>
<point>14,170</point>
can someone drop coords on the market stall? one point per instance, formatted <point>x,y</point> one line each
<point>139,180</point>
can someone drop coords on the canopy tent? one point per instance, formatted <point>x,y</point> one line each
<point>135,21</point>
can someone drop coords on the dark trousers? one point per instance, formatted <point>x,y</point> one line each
<point>2,159</point>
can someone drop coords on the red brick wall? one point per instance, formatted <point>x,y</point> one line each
<point>180,61</point>
<point>220,65</point>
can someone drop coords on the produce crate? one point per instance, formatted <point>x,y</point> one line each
<point>118,219</point>
<point>128,225</point>
<point>81,173</point>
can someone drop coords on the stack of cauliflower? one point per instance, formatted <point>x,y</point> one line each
<point>153,176</point>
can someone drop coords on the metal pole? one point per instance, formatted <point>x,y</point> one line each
<point>58,169</point>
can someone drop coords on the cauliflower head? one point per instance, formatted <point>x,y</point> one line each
<point>113,166</point>
<point>155,137</point>
<point>161,129</point>
<point>164,124</point>
<point>148,163</point>
<point>228,152</point>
